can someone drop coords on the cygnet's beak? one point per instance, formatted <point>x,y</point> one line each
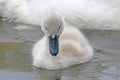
<point>53,45</point>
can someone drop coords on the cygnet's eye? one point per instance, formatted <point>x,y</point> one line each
<point>59,30</point>
<point>46,28</point>
<point>59,27</point>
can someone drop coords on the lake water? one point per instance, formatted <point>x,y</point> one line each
<point>16,60</point>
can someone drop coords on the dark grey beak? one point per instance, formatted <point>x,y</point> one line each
<point>53,45</point>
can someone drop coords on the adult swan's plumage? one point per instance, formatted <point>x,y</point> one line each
<point>92,14</point>
<point>62,45</point>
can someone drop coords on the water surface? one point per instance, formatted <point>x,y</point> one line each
<point>16,60</point>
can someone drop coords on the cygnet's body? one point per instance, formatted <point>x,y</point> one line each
<point>72,47</point>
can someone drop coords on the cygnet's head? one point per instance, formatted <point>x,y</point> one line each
<point>52,25</point>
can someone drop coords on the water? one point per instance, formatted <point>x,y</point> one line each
<point>16,60</point>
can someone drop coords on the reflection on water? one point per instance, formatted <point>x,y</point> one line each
<point>7,47</point>
<point>15,76</point>
<point>15,57</point>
